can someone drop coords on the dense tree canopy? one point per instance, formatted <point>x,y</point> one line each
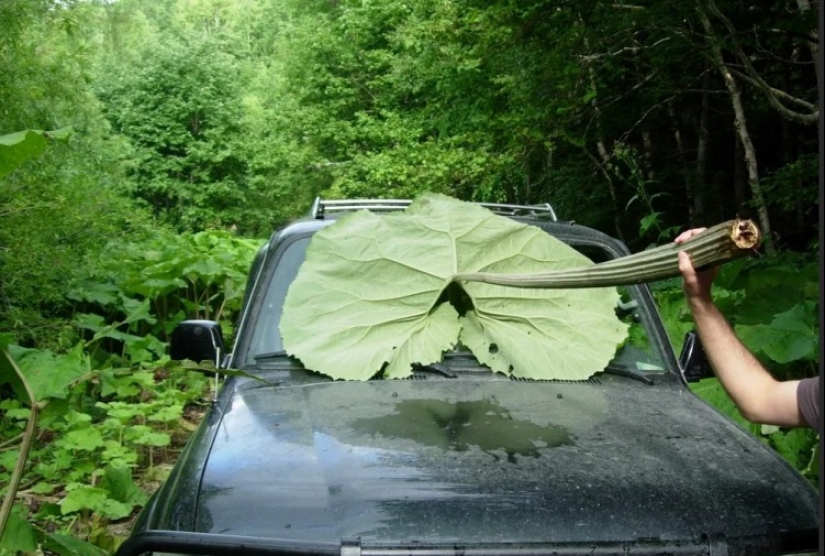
<point>638,119</point>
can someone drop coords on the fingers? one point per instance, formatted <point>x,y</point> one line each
<point>690,280</point>
<point>696,284</point>
<point>685,265</point>
<point>686,235</point>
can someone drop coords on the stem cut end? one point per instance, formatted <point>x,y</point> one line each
<point>745,234</point>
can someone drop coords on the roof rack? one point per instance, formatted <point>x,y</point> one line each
<point>322,207</point>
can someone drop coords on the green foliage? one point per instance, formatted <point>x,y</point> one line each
<point>141,291</point>
<point>56,213</point>
<point>632,173</point>
<point>181,112</point>
<point>17,148</point>
<point>789,186</point>
<point>790,337</point>
<point>111,405</point>
<point>84,459</point>
<point>415,310</point>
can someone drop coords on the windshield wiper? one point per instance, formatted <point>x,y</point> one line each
<point>436,368</point>
<point>280,354</point>
<point>629,373</point>
<point>277,360</point>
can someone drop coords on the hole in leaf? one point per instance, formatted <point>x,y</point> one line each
<point>493,348</point>
<point>455,295</point>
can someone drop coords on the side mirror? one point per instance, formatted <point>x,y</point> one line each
<point>197,340</point>
<point>693,360</point>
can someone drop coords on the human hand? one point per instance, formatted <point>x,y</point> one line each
<point>696,284</point>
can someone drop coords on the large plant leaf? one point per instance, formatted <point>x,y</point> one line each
<point>64,545</point>
<point>18,536</point>
<point>375,293</point>
<point>795,445</point>
<point>49,374</point>
<point>791,336</point>
<point>11,374</point>
<point>17,148</point>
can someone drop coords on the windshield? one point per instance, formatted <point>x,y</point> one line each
<point>266,338</point>
<point>636,353</point>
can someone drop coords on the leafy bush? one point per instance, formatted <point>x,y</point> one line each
<point>151,286</point>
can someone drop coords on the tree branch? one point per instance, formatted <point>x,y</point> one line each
<point>588,58</point>
<point>771,93</point>
<point>780,93</point>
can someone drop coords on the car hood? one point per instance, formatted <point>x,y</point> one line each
<point>491,462</point>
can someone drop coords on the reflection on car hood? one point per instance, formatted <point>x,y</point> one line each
<point>491,461</point>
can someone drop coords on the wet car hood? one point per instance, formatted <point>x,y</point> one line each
<point>490,462</point>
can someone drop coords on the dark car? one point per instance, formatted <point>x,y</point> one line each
<point>460,460</point>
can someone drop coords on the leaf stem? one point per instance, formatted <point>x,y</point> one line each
<point>17,473</point>
<point>721,243</point>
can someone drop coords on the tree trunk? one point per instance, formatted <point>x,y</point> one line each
<point>813,46</point>
<point>689,184</point>
<point>604,153</point>
<point>699,192</point>
<point>741,124</point>
<point>740,178</point>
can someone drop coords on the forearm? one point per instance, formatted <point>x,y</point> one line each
<point>759,397</point>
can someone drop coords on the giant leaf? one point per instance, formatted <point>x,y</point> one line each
<point>375,293</point>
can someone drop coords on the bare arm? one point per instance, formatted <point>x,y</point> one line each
<point>759,397</point>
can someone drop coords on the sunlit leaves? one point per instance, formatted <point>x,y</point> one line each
<point>84,497</point>
<point>181,109</point>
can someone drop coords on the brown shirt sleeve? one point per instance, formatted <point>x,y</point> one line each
<point>807,395</point>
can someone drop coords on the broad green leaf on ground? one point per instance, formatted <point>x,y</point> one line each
<point>48,374</point>
<point>792,335</point>
<point>18,536</point>
<point>64,545</point>
<point>375,294</point>
<point>85,497</point>
<point>118,481</point>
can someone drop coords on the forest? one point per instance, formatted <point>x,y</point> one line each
<point>148,148</point>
